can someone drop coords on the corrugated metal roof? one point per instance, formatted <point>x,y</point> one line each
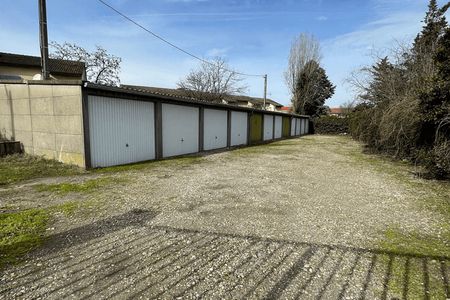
<point>56,66</point>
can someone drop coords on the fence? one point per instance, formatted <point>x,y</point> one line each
<point>122,128</point>
<point>7,148</point>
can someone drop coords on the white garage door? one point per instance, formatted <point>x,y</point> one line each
<point>179,129</point>
<point>238,128</point>
<point>297,126</point>
<point>268,127</point>
<point>215,129</point>
<point>120,131</point>
<point>293,126</point>
<point>278,126</point>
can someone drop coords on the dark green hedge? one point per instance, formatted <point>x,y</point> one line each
<point>331,125</point>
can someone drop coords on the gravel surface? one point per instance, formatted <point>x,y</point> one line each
<point>294,219</point>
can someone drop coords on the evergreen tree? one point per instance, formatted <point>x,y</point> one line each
<point>431,49</point>
<point>313,88</point>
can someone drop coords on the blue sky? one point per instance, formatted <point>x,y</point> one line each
<point>253,35</point>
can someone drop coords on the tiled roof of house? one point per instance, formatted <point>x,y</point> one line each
<point>336,110</point>
<point>232,99</point>
<point>56,66</point>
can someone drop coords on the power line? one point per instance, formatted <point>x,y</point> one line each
<point>171,44</point>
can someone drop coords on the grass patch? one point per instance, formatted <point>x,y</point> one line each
<point>23,231</point>
<point>87,186</point>
<point>177,162</point>
<point>71,207</point>
<point>16,168</point>
<point>20,232</point>
<point>415,244</point>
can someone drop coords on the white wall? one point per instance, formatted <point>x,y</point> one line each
<point>238,128</point>
<point>307,126</point>
<point>268,127</point>
<point>215,129</point>
<point>179,129</point>
<point>278,126</point>
<point>121,131</point>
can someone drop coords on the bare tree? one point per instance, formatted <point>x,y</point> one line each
<point>304,49</point>
<point>101,67</point>
<point>212,81</point>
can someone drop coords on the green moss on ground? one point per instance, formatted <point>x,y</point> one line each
<point>178,161</point>
<point>87,186</point>
<point>20,232</point>
<point>16,168</point>
<point>413,243</point>
<point>23,231</point>
<point>431,195</point>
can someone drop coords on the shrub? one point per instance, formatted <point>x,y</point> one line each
<point>331,125</point>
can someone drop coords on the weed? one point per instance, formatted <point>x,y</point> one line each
<point>15,168</point>
<point>88,186</point>
<point>177,161</point>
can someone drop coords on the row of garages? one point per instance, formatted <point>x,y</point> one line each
<point>122,131</point>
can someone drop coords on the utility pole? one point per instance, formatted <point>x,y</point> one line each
<point>43,38</point>
<point>265,91</point>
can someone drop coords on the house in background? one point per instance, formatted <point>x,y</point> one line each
<point>286,109</point>
<point>336,111</point>
<point>254,102</point>
<point>18,67</point>
<point>239,100</point>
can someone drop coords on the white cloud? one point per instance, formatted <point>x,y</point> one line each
<point>349,52</point>
<point>322,18</point>
<point>214,52</point>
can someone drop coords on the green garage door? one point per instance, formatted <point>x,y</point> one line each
<point>256,128</point>
<point>286,124</point>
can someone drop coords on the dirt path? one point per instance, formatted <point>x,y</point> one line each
<point>303,218</point>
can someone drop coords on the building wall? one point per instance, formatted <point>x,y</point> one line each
<point>46,119</point>
<point>28,73</point>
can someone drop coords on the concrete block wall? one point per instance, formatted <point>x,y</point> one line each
<point>45,118</point>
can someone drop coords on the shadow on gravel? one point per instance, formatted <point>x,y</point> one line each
<point>82,234</point>
<point>165,262</point>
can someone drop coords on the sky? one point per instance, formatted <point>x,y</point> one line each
<point>254,36</point>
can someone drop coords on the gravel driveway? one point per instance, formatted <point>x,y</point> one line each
<point>294,219</point>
